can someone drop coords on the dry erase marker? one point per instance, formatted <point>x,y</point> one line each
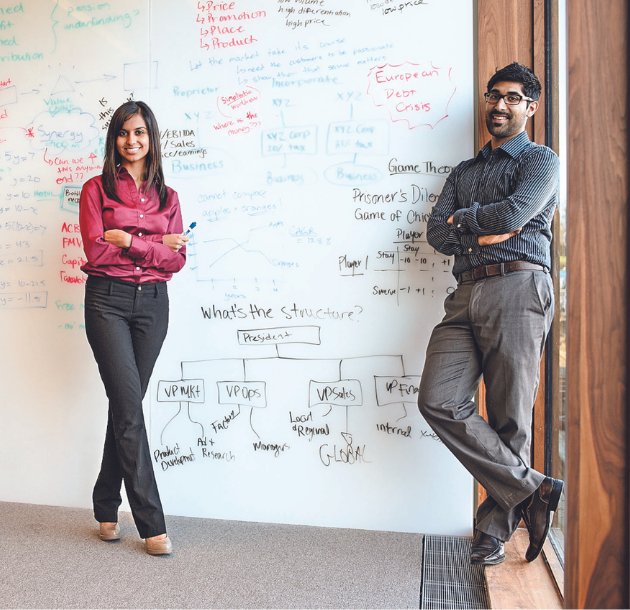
<point>190,228</point>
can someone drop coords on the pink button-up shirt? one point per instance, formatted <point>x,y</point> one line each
<point>147,259</point>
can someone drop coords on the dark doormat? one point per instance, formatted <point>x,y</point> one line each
<point>448,578</point>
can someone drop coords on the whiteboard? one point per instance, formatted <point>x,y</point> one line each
<point>308,140</point>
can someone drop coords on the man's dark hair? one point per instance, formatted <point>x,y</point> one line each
<point>517,73</point>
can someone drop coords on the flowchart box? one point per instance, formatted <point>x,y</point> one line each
<point>250,393</point>
<point>391,390</point>
<point>280,335</point>
<point>182,390</point>
<point>140,75</point>
<point>342,393</point>
<point>8,95</point>
<point>354,137</point>
<point>290,141</point>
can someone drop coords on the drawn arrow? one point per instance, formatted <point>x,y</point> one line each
<point>105,77</point>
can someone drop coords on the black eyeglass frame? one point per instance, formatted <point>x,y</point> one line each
<point>504,97</point>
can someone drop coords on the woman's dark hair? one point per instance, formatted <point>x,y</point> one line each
<point>153,175</point>
<point>516,73</point>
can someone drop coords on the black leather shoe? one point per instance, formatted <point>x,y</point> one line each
<point>486,550</point>
<point>538,514</point>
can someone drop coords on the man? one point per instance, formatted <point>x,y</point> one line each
<point>494,215</point>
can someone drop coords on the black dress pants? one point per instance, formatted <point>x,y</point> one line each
<point>126,325</point>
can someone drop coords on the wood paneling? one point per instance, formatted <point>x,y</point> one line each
<point>538,67</point>
<point>597,287</point>
<point>505,33</point>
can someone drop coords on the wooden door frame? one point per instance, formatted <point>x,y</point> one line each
<point>596,572</point>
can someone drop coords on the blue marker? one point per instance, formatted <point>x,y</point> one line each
<point>190,228</point>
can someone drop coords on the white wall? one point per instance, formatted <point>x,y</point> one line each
<point>298,326</point>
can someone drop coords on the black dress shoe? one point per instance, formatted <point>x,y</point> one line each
<point>538,514</point>
<point>486,550</point>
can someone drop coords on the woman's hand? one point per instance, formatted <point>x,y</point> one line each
<point>118,237</point>
<point>175,241</point>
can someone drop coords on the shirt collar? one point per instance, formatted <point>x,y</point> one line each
<point>121,170</point>
<point>513,147</point>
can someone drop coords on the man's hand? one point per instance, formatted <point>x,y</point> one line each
<point>118,237</point>
<point>489,240</point>
<point>175,241</point>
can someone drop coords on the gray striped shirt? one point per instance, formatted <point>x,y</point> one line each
<point>514,186</point>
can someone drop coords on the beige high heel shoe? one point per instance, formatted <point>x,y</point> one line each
<point>109,531</point>
<point>159,546</point>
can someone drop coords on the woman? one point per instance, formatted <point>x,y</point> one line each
<point>131,227</point>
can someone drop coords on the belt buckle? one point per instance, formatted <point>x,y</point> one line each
<point>502,269</point>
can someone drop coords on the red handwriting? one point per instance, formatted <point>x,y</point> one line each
<point>225,25</point>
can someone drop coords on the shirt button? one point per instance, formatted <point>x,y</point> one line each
<point>142,200</point>
<point>141,215</point>
<point>137,268</point>
<point>459,226</point>
<point>139,234</point>
<point>139,287</point>
<point>469,249</point>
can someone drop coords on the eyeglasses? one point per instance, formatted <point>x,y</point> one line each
<point>511,99</point>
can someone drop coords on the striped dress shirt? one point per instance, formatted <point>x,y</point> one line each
<point>514,186</point>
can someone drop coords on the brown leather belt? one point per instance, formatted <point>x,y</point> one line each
<point>479,273</point>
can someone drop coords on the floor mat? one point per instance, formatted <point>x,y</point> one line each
<point>448,578</point>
